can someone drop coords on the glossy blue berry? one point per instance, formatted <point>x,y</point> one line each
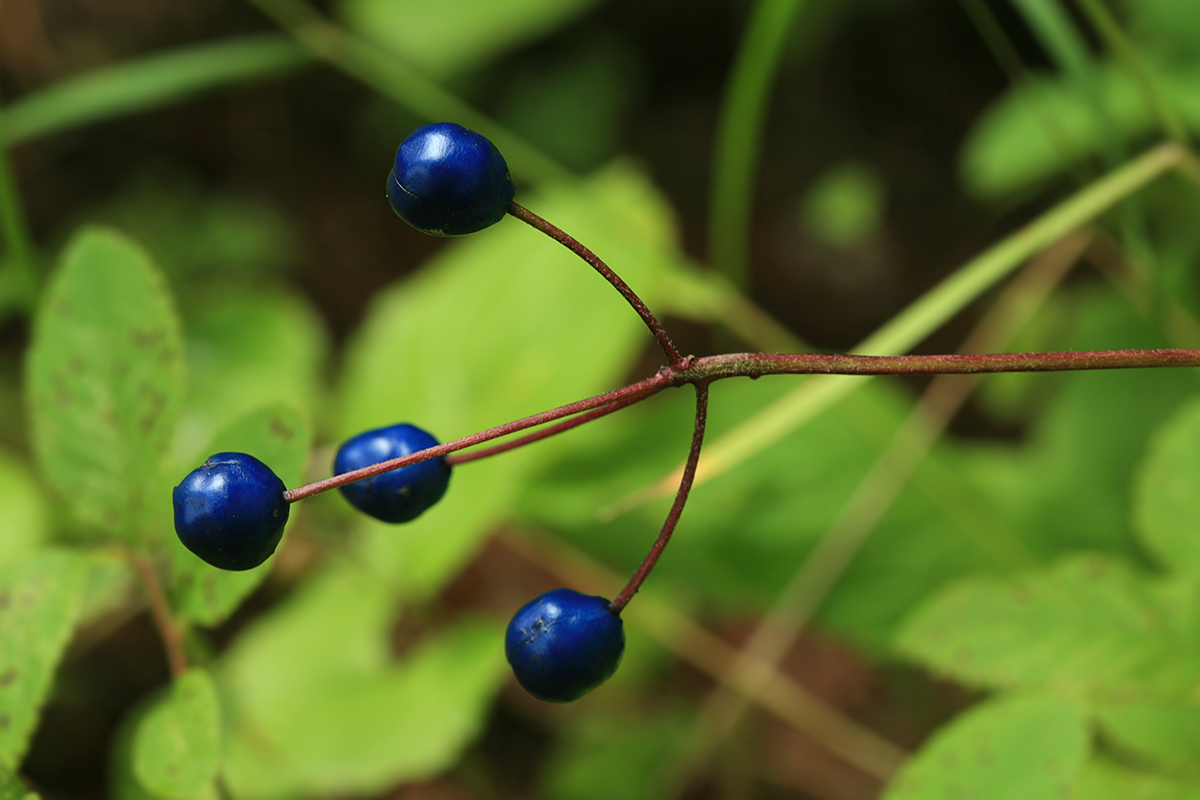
<point>563,644</point>
<point>400,495</point>
<point>230,511</point>
<point>449,181</point>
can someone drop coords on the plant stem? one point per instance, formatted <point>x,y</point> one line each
<point>552,430</point>
<point>702,371</point>
<point>739,136</point>
<point>641,390</point>
<point>785,699</point>
<point>384,71</point>
<point>939,304</point>
<point>573,244</point>
<point>755,365</point>
<point>16,233</point>
<point>681,496</point>
<point>1121,46</point>
<point>161,610</point>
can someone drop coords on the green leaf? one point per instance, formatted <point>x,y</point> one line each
<point>11,788</point>
<point>1090,626</point>
<point>1166,735</point>
<point>322,709</point>
<point>1009,748</point>
<point>1106,780</point>
<point>614,752</point>
<point>277,435</point>
<point>105,379</point>
<point>224,245</point>
<point>448,37</point>
<point>149,82</point>
<point>1042,127</point>
<point>24,507</point>
<point>246,350</point>
<point>1066,487</point>
<point>1166,500</point>
<point>177,744</point>
<point>39,604</point>
<point>493,330</point>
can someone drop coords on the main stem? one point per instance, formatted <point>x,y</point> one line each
<point>681,496</point>
<point>755,365</point>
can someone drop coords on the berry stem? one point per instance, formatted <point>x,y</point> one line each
<point>552,430</point>
<point>639,391</point>
<point>576,247</point>
<point>681,496</point>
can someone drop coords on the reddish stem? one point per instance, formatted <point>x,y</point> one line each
<point>577,247</point>
<point>552,430</point>
<point>641,390</point>
<point>681,496</point>
<point>756,365</point>
<point>168,630</point>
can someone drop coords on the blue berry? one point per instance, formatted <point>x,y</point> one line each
<point>563,644</point>
<point>449,181</point>
<point>230,511</point>
<point>400,495</point>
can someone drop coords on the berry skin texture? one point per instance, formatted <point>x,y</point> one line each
<point>563,644</point>
<point>449,181</point>
<point>400,495</point>
<point>230,511</point>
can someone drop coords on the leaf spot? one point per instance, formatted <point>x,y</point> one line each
<point>146,339</point>
<point>8,677</point>
<point>282,430</point>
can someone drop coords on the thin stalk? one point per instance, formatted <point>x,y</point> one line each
<point>160,609</point>
<point>789,615</point>
<point>547,432</point>
<point>16,232</point>
<point>788,701</point>
<point>681,496</point>
<point>153,81</point>
<point>702,371</point>
<point>576,247</point>
<point>642,389</point>
<point>1118,42</point>
<point>757,365</point>
<point>739,136</point>
<point>935,307</point>
<point>390,76</point>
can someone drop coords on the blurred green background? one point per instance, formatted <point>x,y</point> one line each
<point>245,146</point>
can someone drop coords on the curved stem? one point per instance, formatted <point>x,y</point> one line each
<point>740,135</point>
<point>576,247</point>
<point>681,496</point>
<point>641,390</point>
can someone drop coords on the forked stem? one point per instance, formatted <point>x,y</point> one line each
<point>681,496</point>
<point>550,430</point>
<point>641,390</point>
<point>702,371</point>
